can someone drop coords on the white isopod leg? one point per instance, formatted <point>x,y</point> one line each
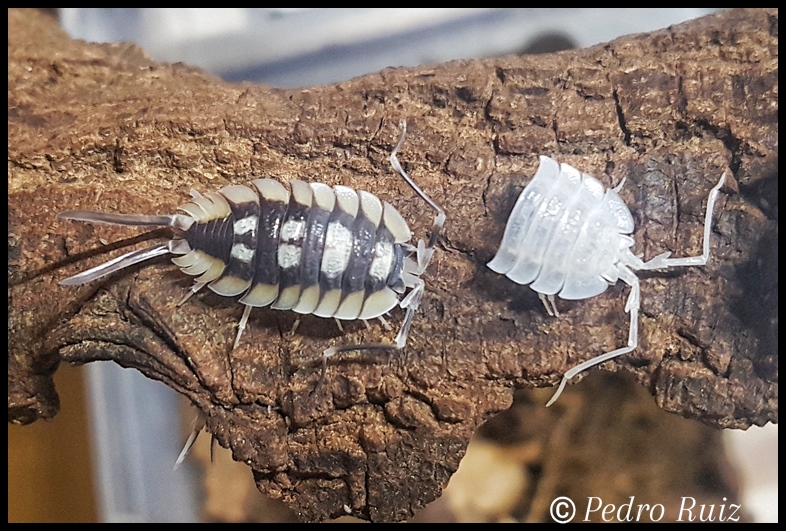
<point>661,261</point>
<point>385,323</point>
<point>550,304</point>
<point>424,253</point>
<point>241,327</point>
<point>411,302</point>
<point>632,307</point>
<point>191,292</point>
<point>199,425</point>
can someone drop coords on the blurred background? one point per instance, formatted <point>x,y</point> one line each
<point>108,455</point>
<point>299,47</point>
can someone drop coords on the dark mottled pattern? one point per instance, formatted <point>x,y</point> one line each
<point>271,216</point>
<point>213,237</point>
<point>360,257</point>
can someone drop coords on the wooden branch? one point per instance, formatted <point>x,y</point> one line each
<point>103,127</point>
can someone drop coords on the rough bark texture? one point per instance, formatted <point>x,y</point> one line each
<point>103,127</point>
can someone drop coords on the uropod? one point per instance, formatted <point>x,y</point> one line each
<point>569,236</point>
<point>332,252</point>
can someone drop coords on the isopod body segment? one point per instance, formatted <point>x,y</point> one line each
<point>569,236</point>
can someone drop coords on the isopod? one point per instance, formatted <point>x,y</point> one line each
<point>331,252</point>
<point>569,236</point>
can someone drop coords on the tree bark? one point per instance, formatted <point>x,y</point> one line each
<point>103,127</point>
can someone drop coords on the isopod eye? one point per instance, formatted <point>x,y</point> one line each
<point>618,214</point>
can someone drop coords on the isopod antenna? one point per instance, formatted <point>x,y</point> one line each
<point>128,259</point>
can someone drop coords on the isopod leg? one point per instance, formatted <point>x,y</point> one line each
<point>631,307</point>
<point>663,261</point>
<point>193,290</point>
<point>425,251</point>
<point>199,425</point>
<point>411,303</point>
<point>550,304</point>
<point>241,327</point>
<point>619,186</point>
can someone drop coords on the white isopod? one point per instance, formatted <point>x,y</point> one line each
<point>569,236</point>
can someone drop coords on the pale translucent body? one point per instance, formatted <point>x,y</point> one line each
<point>569,236</point>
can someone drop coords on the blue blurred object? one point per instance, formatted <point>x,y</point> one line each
<point>136,434</point>
<point>299,47</point>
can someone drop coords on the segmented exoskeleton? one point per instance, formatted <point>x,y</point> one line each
<point>569,236</point>
<point>312,249</point>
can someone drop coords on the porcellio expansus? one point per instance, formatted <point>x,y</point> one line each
<point>312,249</point>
